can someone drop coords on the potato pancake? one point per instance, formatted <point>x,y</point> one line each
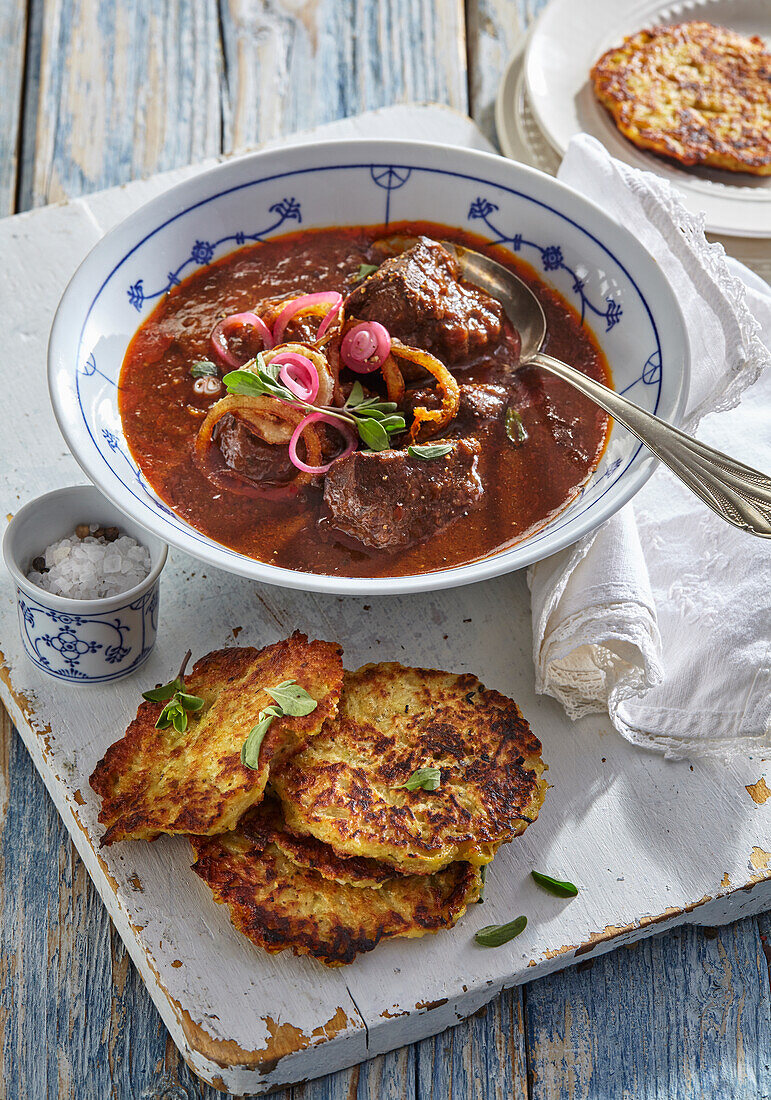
<point>346,787</point>
<point>160,781</point>
<point>265,824</point>
<point>283,905</point>
<point>694,92</point>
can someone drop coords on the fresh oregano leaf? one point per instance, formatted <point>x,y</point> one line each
<point>393,423</point>
<point>495,935</point>
<point>356,396</point>
<point>271,369</point>
<point>189,702</point>
<point>250,750</point>
<point>257,383</point>
<point>245,383</point>
<point>555,886</point>
<point>373,434</point>
<point>293,699</point>
<point>429,451</point>
<point>428,779</point>
<point>515,428</point>
<point>173,714</point>
<point>204,368</point>
<point>164,693</point>
<point>175,711</point>
<point>365,270</point>
<point>179,720</point>
<point>177,702</point>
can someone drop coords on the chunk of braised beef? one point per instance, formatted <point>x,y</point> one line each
<point>418,297</point>
<point>480,404</point>
<point>250,456</point>
<point>388,499</point>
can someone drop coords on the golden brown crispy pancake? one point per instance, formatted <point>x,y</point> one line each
<point>282,905</point>
<point>344,787</point>
<point>265,824</point>
<point>160,781</point>
<point>694,92</point>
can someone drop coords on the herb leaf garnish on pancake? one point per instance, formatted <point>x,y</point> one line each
<point>290,699</point>
<point>495,935</point>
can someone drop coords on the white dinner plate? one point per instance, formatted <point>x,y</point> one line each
<point>519,135</point>
<point>567,40</point>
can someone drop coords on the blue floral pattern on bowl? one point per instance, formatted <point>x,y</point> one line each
<point>61,643</point>
<point>203,252</point>
<point>552,259</point>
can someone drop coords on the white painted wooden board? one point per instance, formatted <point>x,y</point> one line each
<point>650,843</point>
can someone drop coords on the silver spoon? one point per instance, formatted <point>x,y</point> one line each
<point>738,494</point>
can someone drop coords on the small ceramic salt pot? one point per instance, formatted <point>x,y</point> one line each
<point>81,641</point>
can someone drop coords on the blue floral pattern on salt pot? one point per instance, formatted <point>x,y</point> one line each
<point>89,648</point>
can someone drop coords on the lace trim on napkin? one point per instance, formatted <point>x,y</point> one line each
<point>664,208</point>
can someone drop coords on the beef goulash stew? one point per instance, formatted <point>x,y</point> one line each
<point>340,402</point>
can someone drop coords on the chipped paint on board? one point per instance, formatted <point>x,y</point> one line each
<point>759,792</point>
<point>759,859</point>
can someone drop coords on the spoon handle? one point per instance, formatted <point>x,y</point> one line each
<point>738,494</point>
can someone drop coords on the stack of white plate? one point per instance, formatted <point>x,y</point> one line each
<point>546,97</point>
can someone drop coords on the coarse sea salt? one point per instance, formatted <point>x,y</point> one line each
<point>92,568</point>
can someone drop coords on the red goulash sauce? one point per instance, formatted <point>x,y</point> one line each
<point>523,485</point>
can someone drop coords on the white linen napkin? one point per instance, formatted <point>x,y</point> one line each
<point>662,618</point>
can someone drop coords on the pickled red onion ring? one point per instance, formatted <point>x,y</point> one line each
<point>220,332</point>
<point>300,305</point>
<point>305,382</point>
<point>327,380</point>
<point>365,347</point>
<point>333,422</point>
<point>329,318</point>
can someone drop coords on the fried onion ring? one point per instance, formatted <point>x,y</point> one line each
<point>435,420</point>
<point>271,420</point>
<point>394,379</point>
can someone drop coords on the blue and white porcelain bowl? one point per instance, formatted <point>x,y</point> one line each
<point>81,641</point>
<point>595,263</point>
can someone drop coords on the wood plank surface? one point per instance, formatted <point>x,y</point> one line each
<point>137,87</point>
<point>289,66</point>
<point>13,31</point>
<point>682,1017</point>
<point>493,29</point>
<point>113,91</point>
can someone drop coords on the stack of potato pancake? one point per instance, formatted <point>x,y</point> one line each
<point>369,817</point>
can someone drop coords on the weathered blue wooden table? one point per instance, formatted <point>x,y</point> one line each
<point>93,93</point>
